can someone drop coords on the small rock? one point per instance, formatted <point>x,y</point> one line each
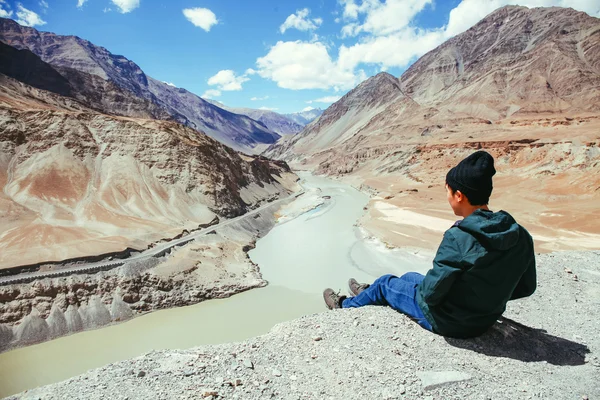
<point>317,338</point>
<point>235,382</point>
<point>248,364</point>
<point>434,379</point>
<point>210,394</point>
<point>401,389</point>
<point>568,271</point>
<point>276,372</point>
<point>188,372</point>
<point>293,377</point>
<point>141,374</point>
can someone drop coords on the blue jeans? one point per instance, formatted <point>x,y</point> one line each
<point>398,293</point>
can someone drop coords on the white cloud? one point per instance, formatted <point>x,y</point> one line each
<point>268,108</point>
<point>382,18</point>
<point>211,94</point>
<point>259,98</point>
<point>226,80</point>
<point>352,10</point>
<point>107,9</point>
<point>27,17</point>
<point>169,83</point>
<point>44,5</point>
<point>5,13</point>
<point>301,21</point>
<point>303,65</point>
<point>201,17</point>
<point>308,109</point>
<point>325,100</point>
<point>126,6</point>
<point>80,3</point>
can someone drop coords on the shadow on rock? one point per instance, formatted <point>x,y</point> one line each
<point>511,339</point>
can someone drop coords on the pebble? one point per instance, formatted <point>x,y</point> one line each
<point>276,372</point>
<point>141,374</point>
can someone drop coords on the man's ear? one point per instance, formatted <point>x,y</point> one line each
<point>459,196</point>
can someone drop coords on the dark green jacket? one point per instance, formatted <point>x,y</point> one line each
<point>484,261</point>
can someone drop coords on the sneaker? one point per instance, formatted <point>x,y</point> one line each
<point>355,287</point>
<point>332,299</point>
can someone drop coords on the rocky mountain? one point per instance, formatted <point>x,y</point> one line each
<point>305,117</point>
<point>345,118</point>
<point>106,71</point>
<point>515,69</point>
<point>516,61</point>
<point>277,123</point>
<point>78,182</point>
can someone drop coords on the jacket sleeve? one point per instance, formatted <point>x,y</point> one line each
<point>528,282</point>
<point>446,268</point>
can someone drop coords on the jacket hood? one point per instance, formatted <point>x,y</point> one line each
<point>496,230</point>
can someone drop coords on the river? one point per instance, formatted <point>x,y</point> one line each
<point>319,248</point>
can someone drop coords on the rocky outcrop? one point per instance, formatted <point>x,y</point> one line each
<point>74,321</point>
<point>119,310</point>
<point>33,329</point>
<point>57,322</point>
<point>115,85</point>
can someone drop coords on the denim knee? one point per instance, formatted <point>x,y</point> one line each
<point>384,278</point>
<point>413,277</point>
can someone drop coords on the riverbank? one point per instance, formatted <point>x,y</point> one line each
<point>549,348</point>
<point>211,267</point>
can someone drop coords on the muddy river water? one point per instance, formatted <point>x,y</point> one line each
<point>317,249</point>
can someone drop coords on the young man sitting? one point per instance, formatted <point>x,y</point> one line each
<point>484,260</point>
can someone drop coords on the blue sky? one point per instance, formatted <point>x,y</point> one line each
<point>281,55</point>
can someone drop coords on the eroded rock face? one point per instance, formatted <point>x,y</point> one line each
<point>57,322</point>
<point>94,314</point>
<point>119,310</point>
<point>6,336</point>
<point>74,321</point>
<point>33,329</point>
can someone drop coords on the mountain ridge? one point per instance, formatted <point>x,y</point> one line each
<point>238,132</point>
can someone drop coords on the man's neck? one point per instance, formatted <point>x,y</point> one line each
<point>472,209</point>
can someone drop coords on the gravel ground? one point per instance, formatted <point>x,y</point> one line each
<point>548,347</point>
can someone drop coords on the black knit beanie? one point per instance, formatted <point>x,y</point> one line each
<point>473,177</point>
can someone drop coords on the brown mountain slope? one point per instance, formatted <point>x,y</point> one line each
<point>515,61</point>
<point>76,182</point>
